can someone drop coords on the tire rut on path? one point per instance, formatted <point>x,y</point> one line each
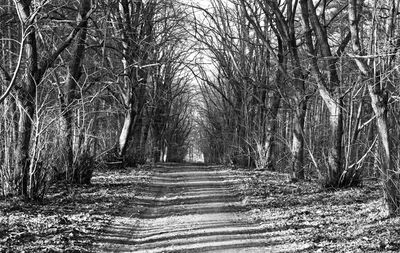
<point>190,208</point>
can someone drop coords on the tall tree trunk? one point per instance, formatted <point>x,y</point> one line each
<point>335,168</point>
<point>129,115</point>
<point>9,125</point>
<point>390,179</point>
<point>274,101</point>
<point>140,117</point>
<point>298,138</point>
<point>10,136</point>
<point>334,103</point>
<point>74,75</point>
<point>269,143</point>
<point>379,103</point>
<point>144,134</point>
<point>300,101</point>
<point>125,134</point>
<point>329,90</point>
<point>142,138</point>
<point>26,101</point>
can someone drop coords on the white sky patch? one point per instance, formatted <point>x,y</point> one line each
<point>202,3</point>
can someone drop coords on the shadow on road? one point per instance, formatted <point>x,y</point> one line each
<point>192,208</point>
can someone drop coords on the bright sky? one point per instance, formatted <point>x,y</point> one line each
<point>202,3</point>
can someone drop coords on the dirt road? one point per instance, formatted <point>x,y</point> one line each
<point>189,208</point>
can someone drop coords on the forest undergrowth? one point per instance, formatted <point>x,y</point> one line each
<point>345,220</point>
<point>69,218</point>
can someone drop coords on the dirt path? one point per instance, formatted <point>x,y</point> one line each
<point>190,208</point>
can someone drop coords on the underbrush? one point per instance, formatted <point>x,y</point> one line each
<point>68,218</point>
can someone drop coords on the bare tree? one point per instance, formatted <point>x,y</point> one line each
<point>377,88</point>
<point>329,89</point>
<point>281,19</point>
<point>71,91</point>
<point>34,69</point>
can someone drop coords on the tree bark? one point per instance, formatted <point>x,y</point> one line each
<point>390,179</point>
<point>335,169</point>
<point>70,93</point>
<point>125,134</point>
<point>269,143</point>
<point>298,139</point>
<point>26,101</point>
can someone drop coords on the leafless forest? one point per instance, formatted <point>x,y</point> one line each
<point>84,82</point>
<point>301,87</point>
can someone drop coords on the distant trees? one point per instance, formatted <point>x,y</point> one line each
<point>240,98</point>
<point>148,35</point>
<point>170,108</point>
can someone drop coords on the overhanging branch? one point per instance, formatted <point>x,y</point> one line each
<point>12,79</point>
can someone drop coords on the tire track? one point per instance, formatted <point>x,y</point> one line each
<point>191,208</point>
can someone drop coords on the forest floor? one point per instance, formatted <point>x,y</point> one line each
<point>69,218</point>
<point>175,208</point>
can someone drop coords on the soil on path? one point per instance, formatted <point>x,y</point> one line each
<point>192,208</point>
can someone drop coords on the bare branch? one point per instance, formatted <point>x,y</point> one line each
<point>14,77</point>
<point>50,60</point>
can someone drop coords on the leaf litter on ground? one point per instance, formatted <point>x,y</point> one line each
<point>344,220</point>
<point>70,217</point>
<point>68,220</point>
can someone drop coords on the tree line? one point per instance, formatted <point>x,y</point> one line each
<point>300,86</point>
